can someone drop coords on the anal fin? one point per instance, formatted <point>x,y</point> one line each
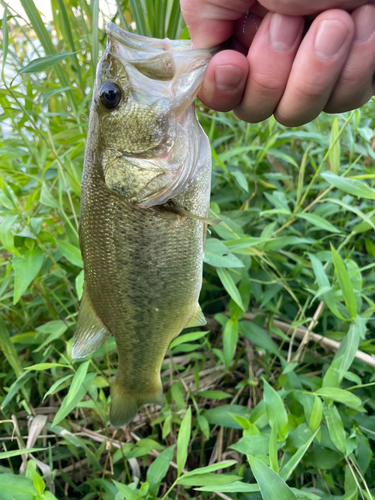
<point>90,332</point>
<point>197,319</point>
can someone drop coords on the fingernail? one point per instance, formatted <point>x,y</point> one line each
<point>228,78</point>
<point>364,21</point>
<point>329,38</point>
<point>284,31</point>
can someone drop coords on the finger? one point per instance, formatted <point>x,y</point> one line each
<point>355,86</point>
<point>270,59</point>
<point>246,28</point>
<point>316,68</point>
<point>224,81</point>
<point>307,7</point>
<point>211,22</point>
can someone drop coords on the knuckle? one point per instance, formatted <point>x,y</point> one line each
<point>347,102</point>
<point>266,84</point>
<point>310,91</point>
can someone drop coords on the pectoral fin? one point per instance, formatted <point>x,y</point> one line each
<point>197,319</point>
<point>90,332</point>
<point>185,213</point>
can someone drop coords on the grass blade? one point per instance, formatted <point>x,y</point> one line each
<point>345,283</point>
<point>5,40</point>
<point>95,35</point>
<point>183,439</point>
<point>289,467</point>
<point>8,349</point>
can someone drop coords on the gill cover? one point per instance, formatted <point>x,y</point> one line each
<point>150,137</point>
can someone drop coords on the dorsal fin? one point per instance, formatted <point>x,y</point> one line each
<point>90,332</point>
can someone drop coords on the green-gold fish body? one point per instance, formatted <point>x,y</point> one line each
<point>145,197</point>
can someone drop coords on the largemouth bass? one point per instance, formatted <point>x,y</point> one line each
<point>145,199</point>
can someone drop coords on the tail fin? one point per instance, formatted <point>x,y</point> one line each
<point>125,405</point>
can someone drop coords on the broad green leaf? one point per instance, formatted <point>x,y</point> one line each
<point>245,291</point>
<point>335,428</point>
<point>340,395</point>
<point>272,449</point>
<point>277,153</point>
<point>241,180</point>
<point>351,186</point>
<point>17,453</point>
<point>230,286</point>
<point>183,439</point>
<point>25,270</point>
<point>236,487</point>
<point>275,409</point>
<point>244,422</point>
<point>258,444</point>
<point>54,328</point>
<point>221,415</point>
<point>79,284</point>
<point>16,487</point>
<point>70,252</point>
<point>345,283</point>
<point>271,486</point>
<point>46,197</point>
<point>77,381</point>
<point>122,452</point>
<point>204,426</point>
<point>350,495</point>
<point>258,336</point>
<point>292,463</point>
<point>50,94</point>
<point>70,403</point>
<point>45,366</point>
<point>128,493</point>
<point>214,395</point>
<point>158,469</point>
<point>188,337</point>
<point>209,468</point>
<point>43,63</point>
<point>355,210</point>
<point>323,283</point>
<point>8,349</point>
<point>278,200</point>
<point>334,148</point>
<point>230,338</point>
<point>316,414</point>
<point>218,255</point>
<point>345,354</point>
<point>350,479</point>
<point>32,474</point>
<point>207,479</point>
<point>319,222</point>
<point>364,226</point>
<point>56,385</point>
<point>6,234</point>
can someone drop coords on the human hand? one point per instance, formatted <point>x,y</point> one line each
<point>277,69</point>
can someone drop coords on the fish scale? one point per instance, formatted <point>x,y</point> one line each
<point>143,251</point>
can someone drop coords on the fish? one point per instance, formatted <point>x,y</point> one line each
<point>144,210</point>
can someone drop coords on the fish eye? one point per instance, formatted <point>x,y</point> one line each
<point>110,94</point>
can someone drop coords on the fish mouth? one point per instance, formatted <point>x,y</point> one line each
<point>144,43</point>
<point>154,46</point>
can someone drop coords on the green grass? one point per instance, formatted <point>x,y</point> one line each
<point>260,404</point>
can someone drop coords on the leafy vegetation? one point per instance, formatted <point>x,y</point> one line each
<point>274,400</point>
